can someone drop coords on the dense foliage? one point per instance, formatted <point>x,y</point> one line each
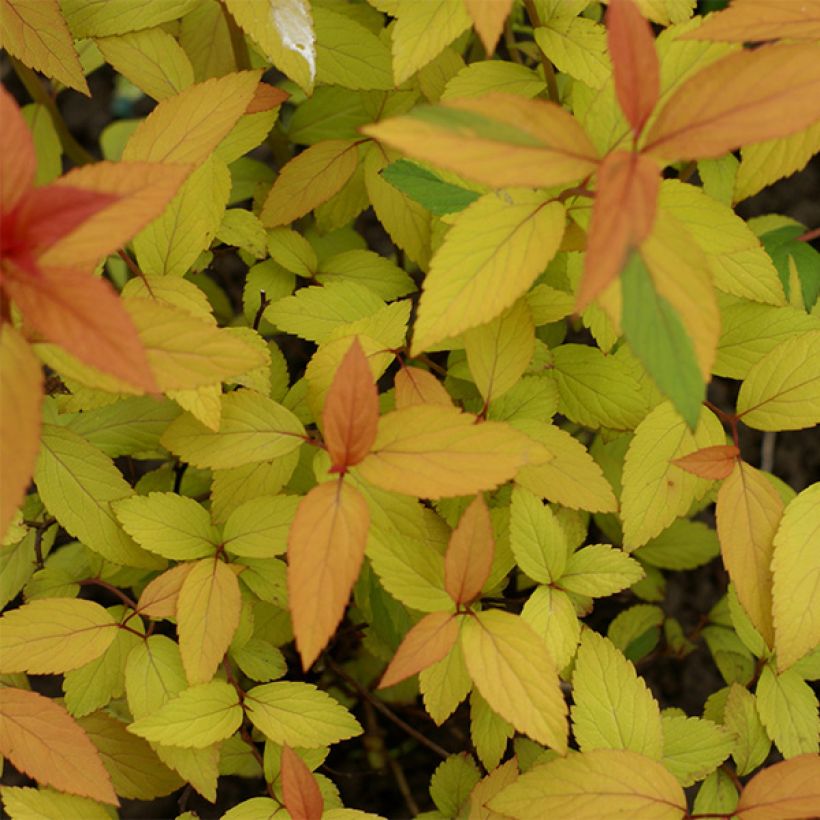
<point>364,402</point>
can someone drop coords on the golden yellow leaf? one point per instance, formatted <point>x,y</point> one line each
<point>789,790</point>
<point>488,20</point>
<point>159,598</point>
<point>748,20</point>
<point>416,386</point>
<point>325,551</point>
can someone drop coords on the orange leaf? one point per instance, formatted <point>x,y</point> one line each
<point>325,551</point>
<point>710,462</point>
<point>300,791</point>
<point>750,20</point>
<point>85,316</point>
<point>42,740</point>
<point>416,386</point>
<point>351,412</point>
<point>488,19</point>
<point>622,217</point>
<point>425,644</point>
<point>159,598</point>
<point>18,162</point>
<point>21,394</point>
<point>265,98</point>
<point>634,62</point>
<point>789,790</point>
<point>743,98</point>
<point>469,556</point>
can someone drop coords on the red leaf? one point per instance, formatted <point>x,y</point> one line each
<point>622,217</point>
<point>634,61</point>
<point>300,790</point>
<point>710,462</point>
<point>18,162</point>
<point>470,553</point>
<point>84,315</point>
<point>351,412</point>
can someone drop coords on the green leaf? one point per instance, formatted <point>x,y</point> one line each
<point>488,731</point>
<point>782,245</point>
<point>259,527</point>
<point>788,709</point>
<point>386,279</point>
<point>717,795</point>
<point>21,803</point>
<point>599,570</point>
<point>299,714</point>
<point>551,613</point>
<point>427,188</point>
<point>630,625</point>
<point>196,718</point>
<point>752,744</point>
<point>452,782</point>
<point>682,545</point>
<point>693,747</point>
<point>444,685</point>
<point>658,338</point>
<point>536,538</point>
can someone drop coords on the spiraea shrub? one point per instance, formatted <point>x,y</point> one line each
<point>391,391</point>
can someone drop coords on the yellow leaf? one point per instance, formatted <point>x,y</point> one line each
<point>787,707</point>
<point>486,76</point>
<point>54,635</point>
<point>655,491</point>
<point>501,238</point>
<point>21,396</point>
<point>748,513</point>
<point>577,46</point>
<point>588,786</point>
<point>35,32</point>
<point>445,684</point>
<point>500,139</point>
<point>489,787</point>
<point>614,708</point>
<point>796,571</point>
<point>259,527</point>
<point>782,390</point>
<point>208,609</point>
<point>120,16</point>
<point>254,428</point>
<point>488,20</point>
<point>325,551</point>
<point>425,644</point>
<point>746,97</point>
<point>788,790</point>
<point>571,477</point>
<point>499,352</point>
<point>27,802</point>
<point>416,386</point>
<point>42,740</point>
<point>747,20</point>
<point>551,613</point>
<point>308,180</point>
<point>422,32</point>
<point>432,451</point>
<point>470,554</point>
<point>159,598</point>
<point>170,245</point>
<point>151,59</point>
<point>665,12</point>
<point>186,128</point>
<point>512,670</point>
<point>284,31</point>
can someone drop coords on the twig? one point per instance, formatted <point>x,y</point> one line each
<point>767,451</point>
<point>808,236</point>
<point>549,70</point>
<point>263,305</point>
<point>129,602</point>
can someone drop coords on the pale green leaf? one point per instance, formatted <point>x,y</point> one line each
<point>788,709</point>
<point>599,570</point>
<point>693,747</point>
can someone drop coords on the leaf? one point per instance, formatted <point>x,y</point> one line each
<point>186,128</point>
<point>749,20</point>
<point>499,352</point>
<point>383,277</point>
<point>208,609</point>
<point>351,412</point>
<point>788,709</point>
<point>77,483</point>
<point>752,744</point>
<point>488,20</point>
<point>489,787</point>
<point>20,802</point>
<point>655,491</point>
<point>796,572</point>
<point>693,747</point>
<point>21,396</point>
<point>584,786</point>
<point>299,714</point>
<point>431,191</point>
<point>496,239</point>
<point>571,478</point>
<point>301,794</point>
<point>613,708</point>
<point>428,642</point>
<point>159,598</point>
<point>634,62</point>
<point>713,463</point>
<point>416,386</point>
<point>745,97</point>
<point>599,570</point>
<point>325,551</point>
<point>782,390</point>
<point>658,338</point>
<point>42,740</point>
<point>501,140</point>
<point>54,635</point>
<point>120,16</point>
<point>452,782</point>
<point>551,613</point>
<point>253,428</point>
<point>168,524</point>
<point>258,528</point>
<point>577,47</point>
<point>433,451</point>
<point>511,668</point>
<point>748,513</point>
<point>308,180</point>
<point>284,32</point>
<point>35,32</point>
<point>195,718</point>
<point>469,556</point>
<point>488,731</point>
<point>787,790</point>
<point>445,684</point>
<point>537,540</point>
<point>83,315</point>
<point>682,545</point>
